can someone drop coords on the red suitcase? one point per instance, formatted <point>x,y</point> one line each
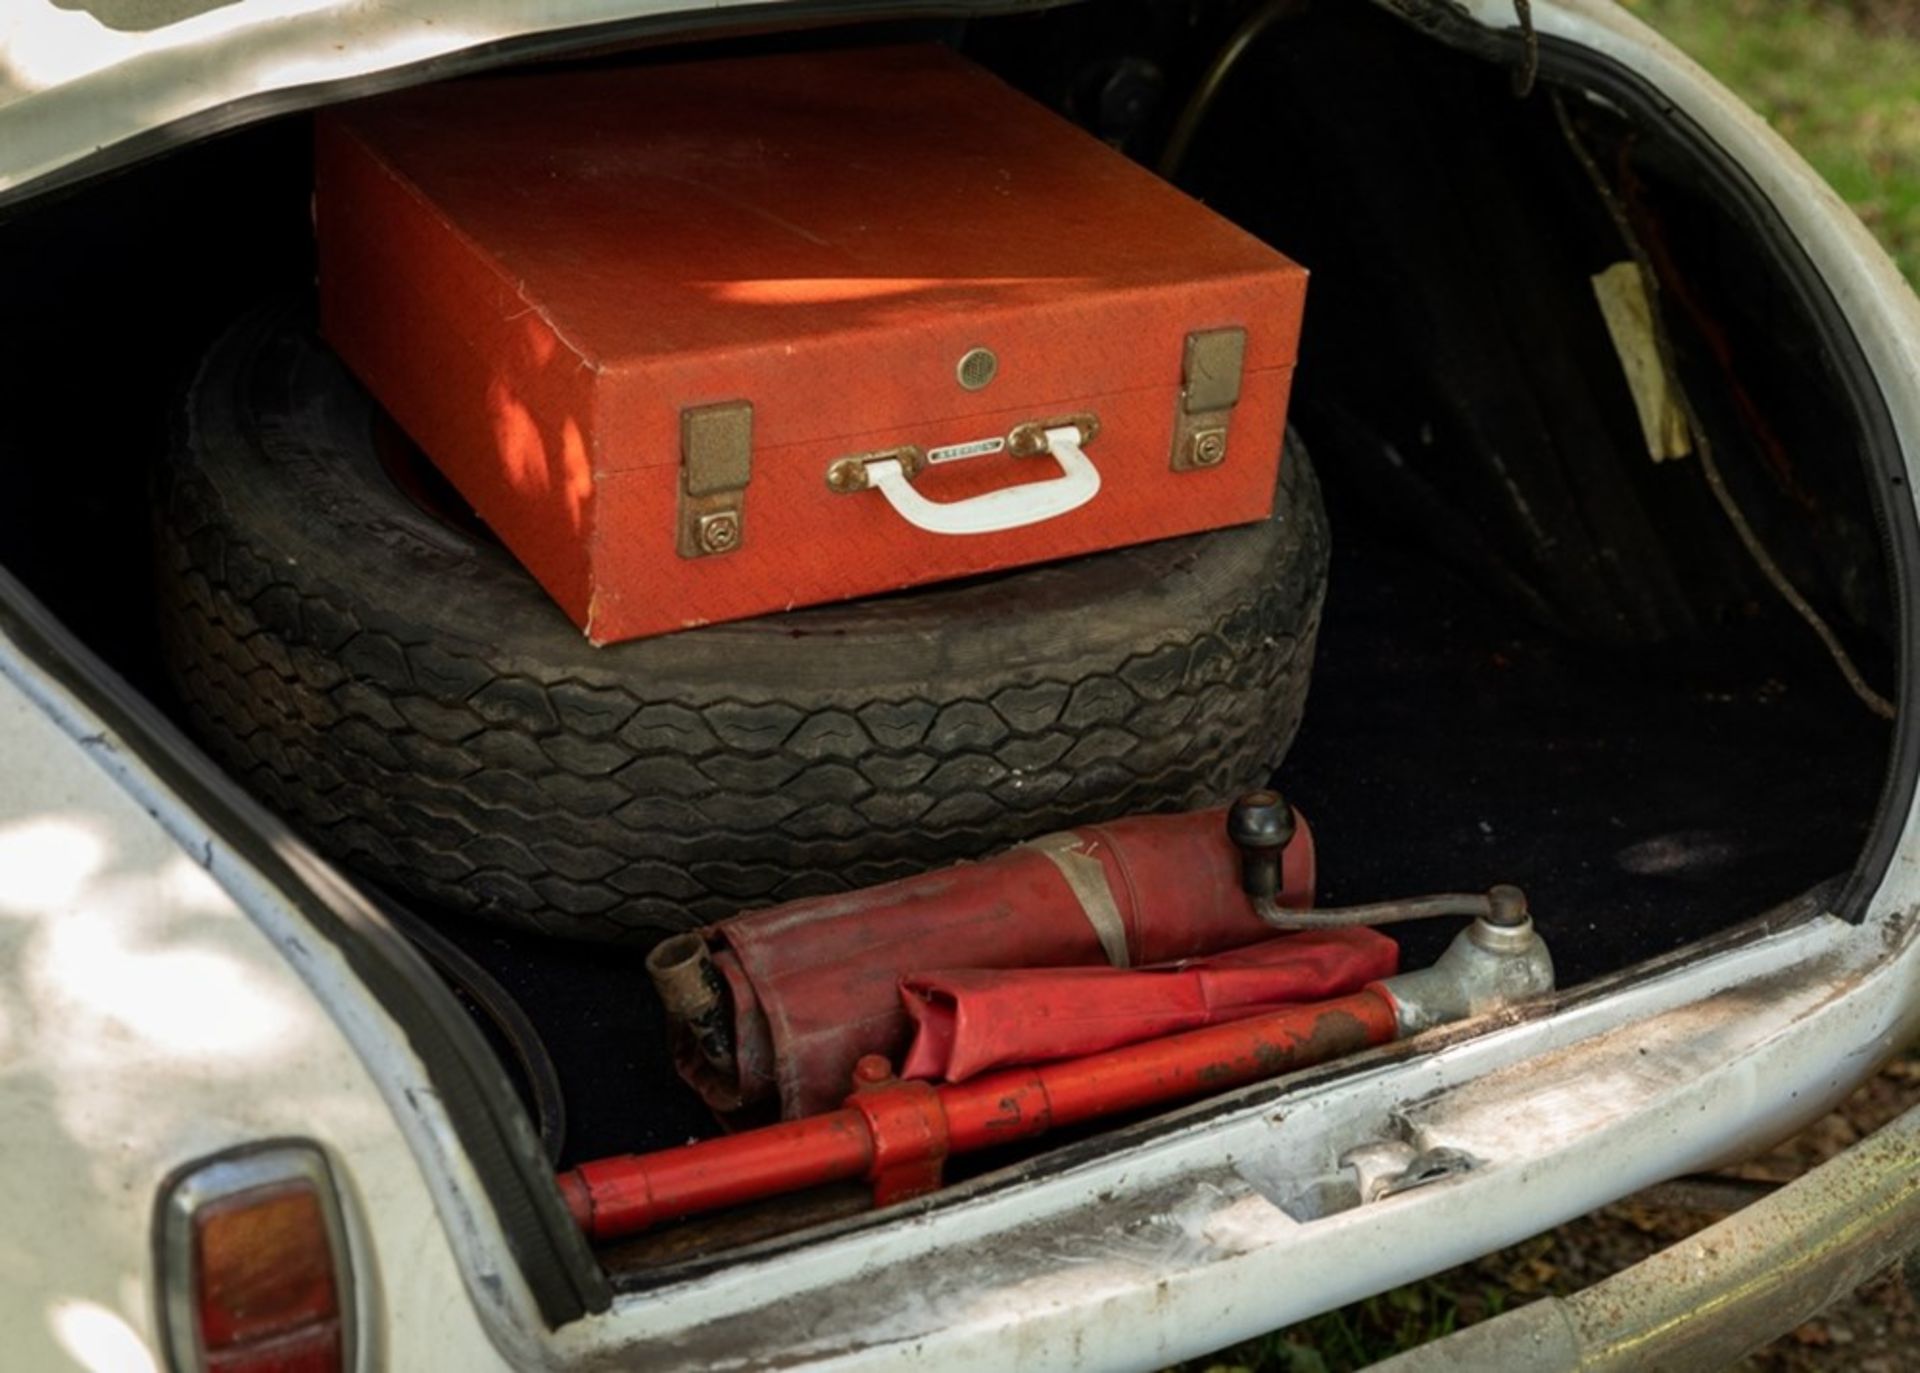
<point>708,340</point>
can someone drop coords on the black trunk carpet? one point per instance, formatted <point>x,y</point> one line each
<point>1643,801</point>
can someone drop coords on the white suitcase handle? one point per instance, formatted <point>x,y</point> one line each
<point>1078,483</point>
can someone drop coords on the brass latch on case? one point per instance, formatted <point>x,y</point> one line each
<point>716,462</point>
<point>1210,387</point>
<point>849,474</point>
<point>1029,440</point>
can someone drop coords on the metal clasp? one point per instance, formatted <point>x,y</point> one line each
<point>716,462</point>
<point>849,474</point>
<point>1210,388</point>
<point>1029,440</point>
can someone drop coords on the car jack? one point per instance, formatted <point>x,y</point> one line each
<point>897,1135</point>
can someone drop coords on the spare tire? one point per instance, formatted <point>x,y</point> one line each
<point>396,684</point>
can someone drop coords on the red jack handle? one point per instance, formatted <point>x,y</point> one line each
<point>897,1135</point>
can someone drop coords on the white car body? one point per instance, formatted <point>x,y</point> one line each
<point>163,1000</point>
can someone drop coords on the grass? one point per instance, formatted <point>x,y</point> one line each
<point>1357,1335</point>
<point>1840,80</point>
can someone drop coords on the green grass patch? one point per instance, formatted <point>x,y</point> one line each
<point>1364,1333</point>
<point>1841,82</point>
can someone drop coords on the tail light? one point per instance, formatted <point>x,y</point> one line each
<point>254,1270</point>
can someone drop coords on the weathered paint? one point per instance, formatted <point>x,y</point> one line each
<point>1722,1293</point>
<point>1162,1242</point>
<point>147,1021</point>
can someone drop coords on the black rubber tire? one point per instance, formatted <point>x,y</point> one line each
<point>411,697</point>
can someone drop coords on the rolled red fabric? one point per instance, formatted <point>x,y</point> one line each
<point>968,1021</point>
<point>815,984</point>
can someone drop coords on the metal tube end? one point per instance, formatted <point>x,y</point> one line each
<point>695,998</point>
<point>682,973</point>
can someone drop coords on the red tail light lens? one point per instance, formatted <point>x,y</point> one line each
<point>253,1265</point>
<point>264,1282</point>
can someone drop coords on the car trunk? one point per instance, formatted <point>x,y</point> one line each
<point>1545,658</point>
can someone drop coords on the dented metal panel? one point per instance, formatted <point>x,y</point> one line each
<point>1722,1293</point>
<point>1233,1224</point>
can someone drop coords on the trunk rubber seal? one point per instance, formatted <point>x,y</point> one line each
<point>1568,64</point>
